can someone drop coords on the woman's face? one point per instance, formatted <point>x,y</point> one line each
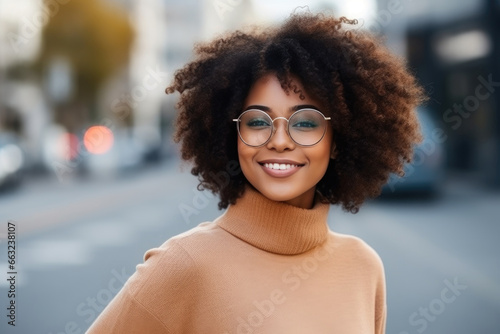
<point>294,185</point>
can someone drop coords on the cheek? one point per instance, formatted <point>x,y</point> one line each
<point>322,157</point>
<point>322,153</point>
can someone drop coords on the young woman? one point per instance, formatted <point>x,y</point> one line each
<point>314,115</point>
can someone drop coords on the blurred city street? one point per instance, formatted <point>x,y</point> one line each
<point>78,242</point>
<point>91,180</point>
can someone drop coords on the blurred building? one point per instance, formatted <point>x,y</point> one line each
<point>454,49</point>
<point>186,23</point>
<point>23,110</point>
<point>183,26</point>
<point>148,69</point>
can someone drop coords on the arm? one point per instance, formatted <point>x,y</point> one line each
<point>380,303</point>
<point>126,315</point>
<point>380,322</point>
<point>156,298</point>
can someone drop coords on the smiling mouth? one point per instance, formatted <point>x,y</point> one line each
<point>277,166</point>
<point>280,169</point>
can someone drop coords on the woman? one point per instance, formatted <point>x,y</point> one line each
<point>314,115</point>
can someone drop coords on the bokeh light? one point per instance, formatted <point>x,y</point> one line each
<point>98,139</point>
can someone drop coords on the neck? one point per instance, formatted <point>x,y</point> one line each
<point>275,227</point>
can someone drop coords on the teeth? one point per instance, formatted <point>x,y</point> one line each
<point>279,166</point>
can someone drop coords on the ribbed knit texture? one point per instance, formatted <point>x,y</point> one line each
<point>274,226</point>
<point>261,267</point>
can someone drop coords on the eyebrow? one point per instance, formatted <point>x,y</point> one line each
<point>292,109</point>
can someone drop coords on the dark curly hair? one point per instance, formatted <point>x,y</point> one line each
<point>369,94</point>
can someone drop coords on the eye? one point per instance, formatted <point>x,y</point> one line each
<point>306,120</point>
<point>305,124</point>
<point>257,122</point>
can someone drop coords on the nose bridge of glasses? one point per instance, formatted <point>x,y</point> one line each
<point>281,117</point>
<point>275,128</point>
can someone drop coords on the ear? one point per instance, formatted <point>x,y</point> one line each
<point>333,152</point>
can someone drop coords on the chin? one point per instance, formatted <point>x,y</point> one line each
<point>284,193</point>
<point>278,196</point>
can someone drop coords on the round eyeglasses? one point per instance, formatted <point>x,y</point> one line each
<point>306,127</point>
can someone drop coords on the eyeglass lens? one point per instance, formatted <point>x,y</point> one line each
<point>306,127</point>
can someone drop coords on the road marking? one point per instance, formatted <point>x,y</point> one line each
<point>21,278</point>
<point>46,253</point>
<point>105,233</point>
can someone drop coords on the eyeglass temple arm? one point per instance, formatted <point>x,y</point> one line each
<point>326,119</point>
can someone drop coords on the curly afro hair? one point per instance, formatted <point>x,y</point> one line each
<point>370,96</point>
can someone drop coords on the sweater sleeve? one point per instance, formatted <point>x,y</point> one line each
<point>157,298</point>
<point>380,323</point>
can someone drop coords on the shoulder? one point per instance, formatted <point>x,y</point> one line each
<point>195,243</point>
<point>164,287</point>
<point>176,261</point>
<point>354,250</point>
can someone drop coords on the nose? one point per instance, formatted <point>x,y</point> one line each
<point>280,139</point>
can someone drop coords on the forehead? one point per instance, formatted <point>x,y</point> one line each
<point>267,91</point>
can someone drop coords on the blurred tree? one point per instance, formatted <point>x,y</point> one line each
<point>94,37</point>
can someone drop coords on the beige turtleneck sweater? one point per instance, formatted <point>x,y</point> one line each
<point>261,267</point>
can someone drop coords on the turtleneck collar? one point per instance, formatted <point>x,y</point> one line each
<point>275,227</point>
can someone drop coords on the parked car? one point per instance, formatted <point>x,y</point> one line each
<point>11,160</point>
<point>124,154</point>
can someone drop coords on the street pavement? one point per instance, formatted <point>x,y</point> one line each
<point>78,242</point>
